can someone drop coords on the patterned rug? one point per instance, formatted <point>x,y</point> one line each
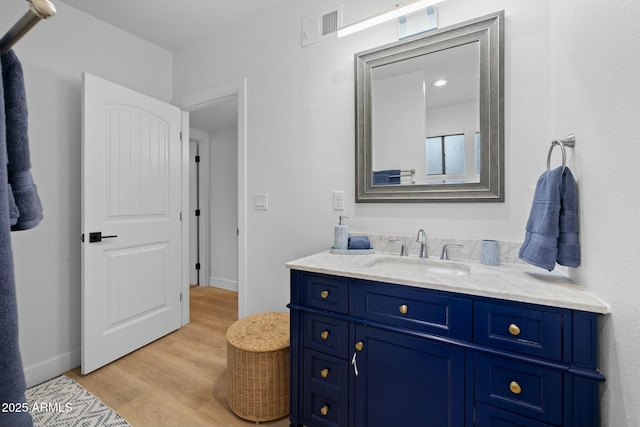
<point>62,402</point>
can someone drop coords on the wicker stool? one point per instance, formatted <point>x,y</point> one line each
<point>258,366</point>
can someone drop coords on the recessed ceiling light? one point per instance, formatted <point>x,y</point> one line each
<point>440,82</point>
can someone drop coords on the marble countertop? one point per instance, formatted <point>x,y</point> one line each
<point>512,282</point>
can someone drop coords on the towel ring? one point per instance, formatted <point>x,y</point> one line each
<point>567,141</point>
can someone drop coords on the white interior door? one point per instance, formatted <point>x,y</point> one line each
<point>131,194</point>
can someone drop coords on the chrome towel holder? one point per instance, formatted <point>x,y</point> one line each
<point>567,141</point>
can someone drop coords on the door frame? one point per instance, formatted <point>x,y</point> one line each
<point>184,217</point>
<point>203,139</point>
<point>198,101</point>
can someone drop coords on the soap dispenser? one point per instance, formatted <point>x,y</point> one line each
<point>341,235</point>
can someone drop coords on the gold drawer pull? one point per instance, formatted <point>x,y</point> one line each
<point>403,309</point>
<point>324,335</point>
<point>359,345</point>
<point>324,373</point>
<point>515,388</point>
<point>324,410</point>
<point>514,329</point>
<point>324,294</point>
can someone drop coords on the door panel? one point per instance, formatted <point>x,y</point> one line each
<point>131,193</point>
<point>406,381</point>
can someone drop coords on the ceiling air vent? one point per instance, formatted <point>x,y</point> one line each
<point>321,26</point>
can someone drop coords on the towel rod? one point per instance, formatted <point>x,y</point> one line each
<point>38,9</point>
<point>407,172</point>
<point>567,141</point>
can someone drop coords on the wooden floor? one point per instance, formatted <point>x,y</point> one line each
<point>179,380</point>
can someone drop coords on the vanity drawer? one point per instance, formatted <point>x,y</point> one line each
<point>523,388</point>
<point>325,292</point>
<point>537,332</point>
<point>324,371</point>
<point>488,416</point>
<point>324,409</point>
<point>326,334</point>
<point>418,309</point>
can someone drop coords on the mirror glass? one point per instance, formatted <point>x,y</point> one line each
<point>429,116</point>
<point>426,117</point>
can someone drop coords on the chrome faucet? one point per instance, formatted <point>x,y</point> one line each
<point>422,239</point>
<point>403,249</point>
<point>445,253</point>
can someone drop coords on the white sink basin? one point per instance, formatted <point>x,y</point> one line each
<point>420,266</point>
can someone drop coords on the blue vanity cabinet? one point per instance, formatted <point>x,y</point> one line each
<point>373,354</point>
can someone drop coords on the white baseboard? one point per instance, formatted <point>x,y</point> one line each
<point>218,282</point>
<point>51,368</point>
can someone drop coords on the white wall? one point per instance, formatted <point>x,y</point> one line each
<point>300,115</point>
<point>596,94</point>
<point>224,208</point>
<point>47,259</point>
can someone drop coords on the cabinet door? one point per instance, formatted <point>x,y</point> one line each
<point>406,381</point>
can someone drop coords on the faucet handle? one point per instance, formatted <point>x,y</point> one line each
<point>445,254</point>
<point>422,236</point>
<point>403,249</point>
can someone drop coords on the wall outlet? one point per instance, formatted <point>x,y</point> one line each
<point>338,200</point>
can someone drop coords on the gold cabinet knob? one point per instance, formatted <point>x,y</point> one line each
<point>403,309</point>
<point>324,410</point>
<point>515,388</point>
<point>324,335</point>
<point>514,329</point>
<point>324,373</point>
<point>359,345</point>
<point>324,294</point>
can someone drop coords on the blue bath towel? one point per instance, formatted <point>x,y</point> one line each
<point>552,229</point>
<point>386,177</point>
<point>26,212</point>
<point>12,382</point>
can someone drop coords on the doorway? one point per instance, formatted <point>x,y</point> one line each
<point>218,127</point>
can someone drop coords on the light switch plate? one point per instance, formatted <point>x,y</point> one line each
<point>261,201</point>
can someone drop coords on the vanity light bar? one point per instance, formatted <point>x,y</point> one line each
<point>399,10</point>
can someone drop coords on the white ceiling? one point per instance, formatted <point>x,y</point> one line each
<point>172,24</point>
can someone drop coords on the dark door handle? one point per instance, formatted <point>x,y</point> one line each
<point>97,237</point>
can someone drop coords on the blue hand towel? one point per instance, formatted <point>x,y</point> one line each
<point>553,214</point>
<point>386,177</point>
<point>359,242</point>
<point>25,194</point>
<point>568,244</point>
<point>12,382</point>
